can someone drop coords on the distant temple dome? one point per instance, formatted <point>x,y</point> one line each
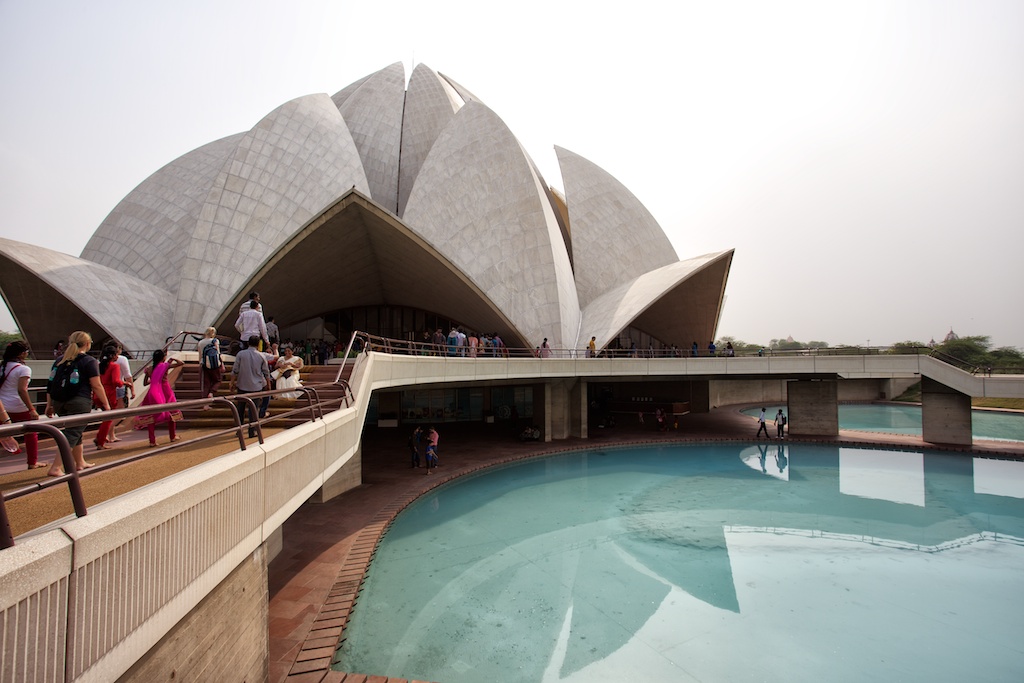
<point>381,198</point>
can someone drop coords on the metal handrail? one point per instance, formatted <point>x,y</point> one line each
<point>52,427</point>
<point>370,342</point>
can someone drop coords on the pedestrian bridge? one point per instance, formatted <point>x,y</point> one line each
<point>85,599</point>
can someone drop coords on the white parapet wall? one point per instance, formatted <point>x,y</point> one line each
<point>85,598</point>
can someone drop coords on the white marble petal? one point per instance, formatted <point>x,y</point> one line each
<point>373,112</point>
<point>479,202</point>
<point>429,107</point>
<point>285,171</point>
<point>614,237</point>
<point>135,312</point>
<point>673,287</point>
<point>147,232</point>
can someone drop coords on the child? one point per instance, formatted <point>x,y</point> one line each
<point>432,439</point>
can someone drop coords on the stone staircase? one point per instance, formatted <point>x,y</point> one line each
<point>186,387</point>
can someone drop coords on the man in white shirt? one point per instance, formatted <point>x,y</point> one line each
<point>250,323</point>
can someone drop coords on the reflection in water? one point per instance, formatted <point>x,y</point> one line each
<point>999,477</point>
<point>770,459</point>
<point>882,475</point>
<point>662,564</point>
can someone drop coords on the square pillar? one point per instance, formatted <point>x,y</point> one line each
<point>813,408</point>
<point>559,408</point>
<point>579,410</point>
<point>945,414</point>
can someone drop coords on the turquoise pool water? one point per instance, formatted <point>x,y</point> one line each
<point>900,419</point>
<point>704,563</point>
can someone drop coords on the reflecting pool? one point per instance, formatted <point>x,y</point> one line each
<point>906,419</point>
<point>704,563</point>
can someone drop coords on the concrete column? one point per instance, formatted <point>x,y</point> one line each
<point>945,414</point>
<point>700,396</point>
<point>813,408</point>
<point>580,410</point>
<point>559,408</point>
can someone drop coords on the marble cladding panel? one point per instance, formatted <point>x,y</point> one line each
<point>254,209</point>
<point>614,237</point>
<point>102,293</point>
<point>617,308</point>
<point>155,221</point>
<point>373,113</point>
<point>476,191</point>
<point>428,109</point>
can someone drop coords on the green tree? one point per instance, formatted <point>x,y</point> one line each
<point>907,347</point>
<point>970,350</point>
<point>741,347</point>
<point>7,337</point>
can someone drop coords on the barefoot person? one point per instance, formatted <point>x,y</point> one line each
<point>74,378</point>
<point>15,376</point>
<point>160,392</point>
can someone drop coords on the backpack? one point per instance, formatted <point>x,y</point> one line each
<point>63,382</point>
<point>211,356</point>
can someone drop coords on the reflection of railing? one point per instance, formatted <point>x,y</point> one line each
<point>313,408</point>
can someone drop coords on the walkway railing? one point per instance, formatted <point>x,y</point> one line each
<point>313,410</point>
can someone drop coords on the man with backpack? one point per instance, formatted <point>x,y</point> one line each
<point>211,363</point>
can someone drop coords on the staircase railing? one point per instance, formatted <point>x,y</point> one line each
<point>313,408</point>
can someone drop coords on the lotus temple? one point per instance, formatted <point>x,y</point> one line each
<point>390,208</point>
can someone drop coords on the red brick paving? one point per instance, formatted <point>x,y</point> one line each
<point>315,580</point>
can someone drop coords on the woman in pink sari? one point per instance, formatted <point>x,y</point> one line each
<point>160,392</point>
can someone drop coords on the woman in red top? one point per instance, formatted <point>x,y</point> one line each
<point>110,378</point>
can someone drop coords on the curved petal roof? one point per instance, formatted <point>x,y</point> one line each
<point>429,108</point>
<point>677,303</point>
<point>144,234</point>
<point>477,200</point>
<point>373,112</point>
<point>286,170</point>
<point>615,238</point>
<point>53,294</point>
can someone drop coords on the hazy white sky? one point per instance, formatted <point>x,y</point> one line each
<point>865,160</point>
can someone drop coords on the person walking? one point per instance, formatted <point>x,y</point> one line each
<point>250,323</point>
<point>110,378</point>
<point>251,373</point>
<point>126,392</point>
<point>211,363</point>
<point>74,377</point>
<point>15,376</point>
<point>160,392</point>
<point>762,426</point>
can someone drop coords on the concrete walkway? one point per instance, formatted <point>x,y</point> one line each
<point>315,579</point>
